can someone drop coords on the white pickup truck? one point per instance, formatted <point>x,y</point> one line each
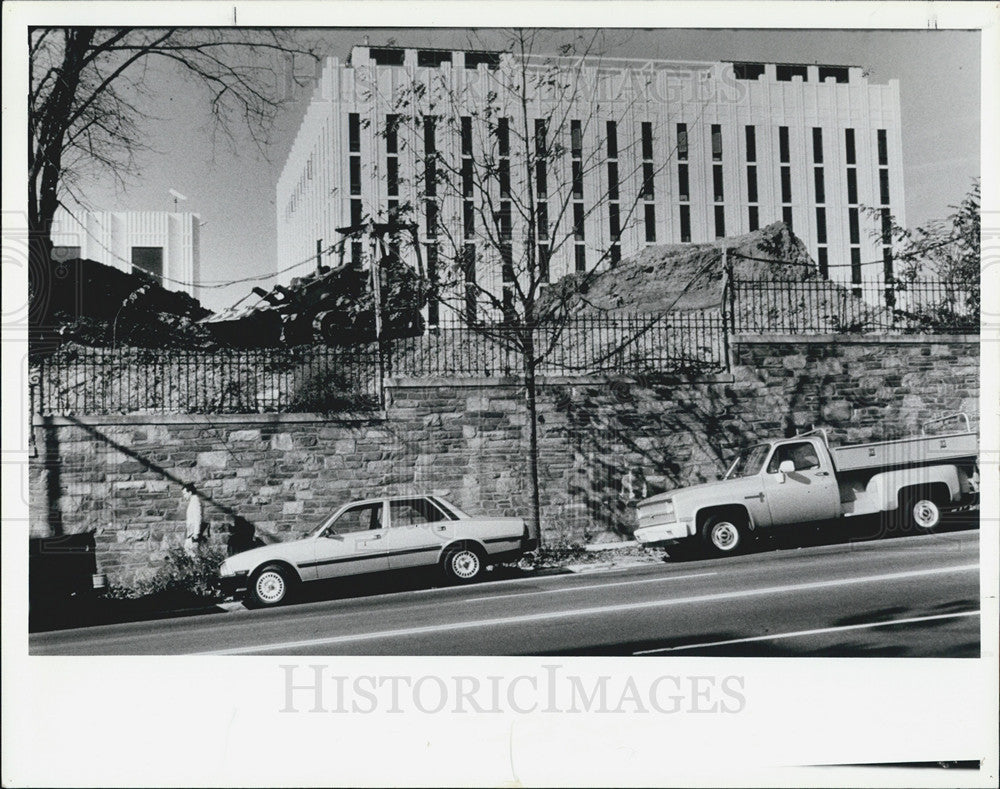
<point>805,480</point>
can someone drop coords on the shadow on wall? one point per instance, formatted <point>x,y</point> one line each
<point>682,431</point>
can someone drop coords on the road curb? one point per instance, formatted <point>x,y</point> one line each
<point>596,567</point>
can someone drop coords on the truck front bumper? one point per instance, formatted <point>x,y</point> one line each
<point>664,532</point>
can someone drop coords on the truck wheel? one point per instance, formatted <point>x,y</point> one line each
<point>921,512</point>
<point>724,535</point>
<point>271,585</point>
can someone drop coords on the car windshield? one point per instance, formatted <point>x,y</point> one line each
<point>748,462</point>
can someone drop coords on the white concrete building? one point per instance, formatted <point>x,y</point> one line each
<point>638,152</point>
<point>162,243</point>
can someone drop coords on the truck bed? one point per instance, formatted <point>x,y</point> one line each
<point>907,451</point>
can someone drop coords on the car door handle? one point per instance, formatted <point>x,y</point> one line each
<point>440,528</point>
<point>822,473</point>
<point>376,537</point>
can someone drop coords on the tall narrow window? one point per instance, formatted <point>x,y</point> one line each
<point>685,217</point>
<point>849,150</point>
<point>468,180</point>
<point>720,221</point>
<point>648,188</point>
<point>817,145</point>
<point>469,272</point>
<point>504,214</point>
<point>751,140</point>
<point>354,180</point>
<point>753,213</point>
<point>716,142</point>
<point>785,155</point>
<point>883,148</point>
<point>683,187</point>
<point>853,222</point>
<point>783,147</point>
<point>682,141</point>
<point>717,183</point>
<point>431,217</point>
<point>576,156</point>
<point>614,215</point>
<point>883,193</point>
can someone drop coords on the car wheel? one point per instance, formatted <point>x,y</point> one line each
<point>462,565</point>
<point>724,535</point>
<point>921,513</point>
<point>271,585</point>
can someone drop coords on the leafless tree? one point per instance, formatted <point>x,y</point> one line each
<point>89,87</point>
<point>499,183</point>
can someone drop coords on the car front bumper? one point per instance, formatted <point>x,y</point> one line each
<point>234,584</point>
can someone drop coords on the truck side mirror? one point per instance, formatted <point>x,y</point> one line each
<point>786,466</point>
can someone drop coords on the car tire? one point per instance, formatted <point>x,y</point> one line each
<point>463,565</point>
<point>724,535</point>
<point>270,586</point>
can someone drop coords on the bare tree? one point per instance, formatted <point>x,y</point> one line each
<point>515,161</point>
<point>89,86</point>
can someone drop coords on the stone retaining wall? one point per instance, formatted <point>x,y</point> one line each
<point>122,477</point>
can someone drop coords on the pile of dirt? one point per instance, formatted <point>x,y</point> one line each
<point>684,277</point>
<point>775,286</point>
<point>86,302</point>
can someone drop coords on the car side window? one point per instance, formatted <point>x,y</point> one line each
<point>412,512</point>
<point>802,454</point>
<point>362,517</point>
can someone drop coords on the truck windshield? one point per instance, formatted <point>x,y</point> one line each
<point>749,462</point>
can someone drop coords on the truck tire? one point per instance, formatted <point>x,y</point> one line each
<point>920,512</point>
<point>724,534</point>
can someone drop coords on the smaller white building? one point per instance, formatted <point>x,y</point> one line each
<point>162,243</point>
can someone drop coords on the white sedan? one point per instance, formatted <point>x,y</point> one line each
<point>379,535</point>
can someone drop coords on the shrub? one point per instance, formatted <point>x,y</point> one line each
<point>196,575</point>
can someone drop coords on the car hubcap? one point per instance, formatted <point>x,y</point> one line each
<point>725,536</point>
<point>465,564</point>
<point>925,514</point>
<point>270,587</point>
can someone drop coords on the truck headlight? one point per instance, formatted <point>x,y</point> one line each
<point>660,512</point>
<point>226,570</point>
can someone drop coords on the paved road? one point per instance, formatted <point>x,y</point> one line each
<point>913,596</point>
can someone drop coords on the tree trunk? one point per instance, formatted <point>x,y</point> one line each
<point>528,357</point>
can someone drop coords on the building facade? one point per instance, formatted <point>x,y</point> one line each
<point>608,155</point>
<point>162,243</point>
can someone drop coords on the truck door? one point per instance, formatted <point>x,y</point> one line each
<point>809,493</point>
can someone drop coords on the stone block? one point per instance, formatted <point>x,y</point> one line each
<point>245,435</point>
<point>213,459</point>
<point>282,442</point>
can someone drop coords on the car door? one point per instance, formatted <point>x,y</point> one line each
<point>809,493</point>
<point>418,529</point>
<point>354,543</point>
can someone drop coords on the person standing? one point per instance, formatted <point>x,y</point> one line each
<point>195,532</point>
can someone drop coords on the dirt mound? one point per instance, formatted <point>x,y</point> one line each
<point>684,277</point>
<point>86,302</point>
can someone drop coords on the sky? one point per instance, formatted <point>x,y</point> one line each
<point>232,188</point>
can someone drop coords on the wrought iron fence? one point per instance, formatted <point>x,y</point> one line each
<point>821,306</point>
<point>82,380</point>
<point>587,344</point>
